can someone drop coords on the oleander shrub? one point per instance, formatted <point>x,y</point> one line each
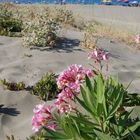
<point>90,106</point>
<point>101,114</point>
<point>105,116</point>
<point>46,88</point>
<point>8,24</point>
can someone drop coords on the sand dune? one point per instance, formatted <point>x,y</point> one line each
<point>15,65</point>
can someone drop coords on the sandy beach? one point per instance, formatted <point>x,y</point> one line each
<point>18,63</point>
<point>16,107</point>
<point>122,17</point>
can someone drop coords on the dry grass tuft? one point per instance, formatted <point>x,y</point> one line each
<point>90,41</point>
<point>94,31</point>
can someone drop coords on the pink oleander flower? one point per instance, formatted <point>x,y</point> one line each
<point>69,81</point>
<point>42,108</point>
<point>98,55</point>
<point>137,39</point>
<point>42,116</point>
<point>72,77</point>
<point>65,94</point>
<point>63,106</point>
<point>52,126</point>
<point>38,120</point>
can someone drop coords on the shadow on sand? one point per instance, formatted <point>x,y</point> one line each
<point>8,110</point>
<point>62,45</point>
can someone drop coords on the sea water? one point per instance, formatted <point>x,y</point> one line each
<point>56,1</point>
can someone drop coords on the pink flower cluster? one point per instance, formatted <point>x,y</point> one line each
<point>98,55</point>
<point>72,77</point>
<point>137,39</point>
<point>42,117</point>
<point>69,81</point>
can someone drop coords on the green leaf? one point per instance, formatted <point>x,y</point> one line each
<point>84,120</point>
<point>133,135</point>
<point>83,105</point>
<point>77,127</point>
<point>116,104</point>
<point>8,138</point>
<point>12,137</point>
<point>103,136</point>
<point>69,128</point>
<point>87,98</point>
<point>100,88</point>
<point>100,109</point>
<point>57,135</point>
<point>90,85</point>
<point>131,128</point>
<point>100,91</point>
<point>132,99</point>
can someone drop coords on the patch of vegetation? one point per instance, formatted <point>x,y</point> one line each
<point>10,137</point>
<point>94,31</point>
<point>38,136</point>
<point>13,86</point>
<point>9,25</point>
<point>39,24</point>
<point>40,32</point>
<point>64,16</point>
<point>106,117</point>
<point>46,88</point>
<point>103,109</point>
<point>90,36</point>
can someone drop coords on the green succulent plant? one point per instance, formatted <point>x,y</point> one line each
<point>13,86</point>
<point>39,136</point>
<point>46,88</point>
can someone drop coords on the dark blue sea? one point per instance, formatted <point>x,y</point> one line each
<point>59,1</point>
<point>56,1</point>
